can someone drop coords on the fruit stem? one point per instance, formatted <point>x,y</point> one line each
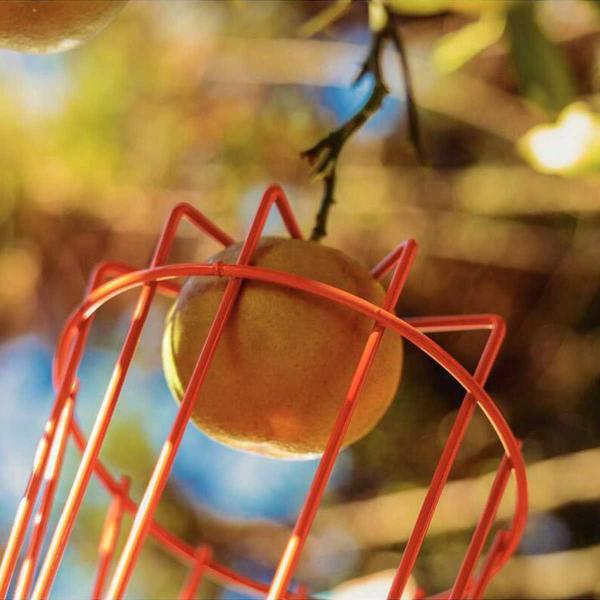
<point>323,156</point>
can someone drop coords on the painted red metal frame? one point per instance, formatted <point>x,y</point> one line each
<point>110,280</point>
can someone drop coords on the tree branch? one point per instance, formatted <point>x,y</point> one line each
<point>414,130</point>
<point>323,156</point>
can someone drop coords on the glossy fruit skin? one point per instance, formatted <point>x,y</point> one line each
<point>286,358</point>
<point>43,26</point>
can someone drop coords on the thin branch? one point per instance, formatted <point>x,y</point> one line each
<point>414,131</point>
<point>320,229</point>
<point>323,156</point>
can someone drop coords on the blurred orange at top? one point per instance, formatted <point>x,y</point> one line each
<point>41,26</point>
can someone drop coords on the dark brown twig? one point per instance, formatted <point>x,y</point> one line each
<point>414,131</point>
<point>323,156</point>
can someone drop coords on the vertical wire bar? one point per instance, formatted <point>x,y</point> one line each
<point>291,555</point>
<point>73,503</point>
<point>471,323</point>
<point>482,530</point>
<point>25,508</point>
<point>107,408</point>
<point>192,583</point>
<point>110,536</point>
<point>65,385</point>
<point>442,471</point>
<point>487,570</point>
<point>53,470</point>
<point>168,540</point>
<point>162,468</point>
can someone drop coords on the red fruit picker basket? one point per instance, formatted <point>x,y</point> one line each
<point>36,574</point>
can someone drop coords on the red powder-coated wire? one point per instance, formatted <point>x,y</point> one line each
<point>111,279</point>
<point>43,515</point>
<point>191,585</point>
<point>110,536</point>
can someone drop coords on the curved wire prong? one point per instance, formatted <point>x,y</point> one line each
<point>495,325</point>
<point>162,469</point>
<point>403,257</point>
<point>72,505</point>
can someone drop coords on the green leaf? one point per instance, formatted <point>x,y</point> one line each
<point>326,17</point>
<point>418,7</point>
<point>543,73</point>
<point>433,7</point>
<point>457,48</point>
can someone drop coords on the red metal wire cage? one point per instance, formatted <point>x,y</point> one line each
<point>111,279</point>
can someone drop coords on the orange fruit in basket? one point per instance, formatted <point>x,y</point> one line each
<point>41,26</point>
<point>286,358</point>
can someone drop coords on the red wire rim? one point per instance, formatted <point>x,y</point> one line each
<point>164,274</point>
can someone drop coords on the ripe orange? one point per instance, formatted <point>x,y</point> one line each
<point>41,26</point>
<point>284,363</point>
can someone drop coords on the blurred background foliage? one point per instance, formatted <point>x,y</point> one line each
<point>209,102</point>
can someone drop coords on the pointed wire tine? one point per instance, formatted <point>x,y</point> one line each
<point>404,251</point>
<point>291,555</point>
<point>169,231</point>
<point>274,194</point>
<point>203,223</point>
<point>445,463</point>
<point>285,210</point>
<point>110,536</point>
<point>450,323</point>
<point>162,469</point>
<point>72,505</point>
<point>53,470</point>
<point>403,261</point>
